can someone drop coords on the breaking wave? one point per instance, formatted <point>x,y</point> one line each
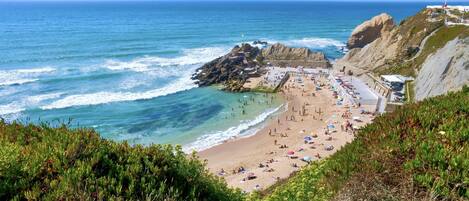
<point>22,76</point>
<point>21,105</point>
<point>150,63</point>
<point>313,43</point>
<point>212,139</point>
<point>182,84</point>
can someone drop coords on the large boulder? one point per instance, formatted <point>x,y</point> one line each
<point>370,30</point>
<point>281,55</point>
<point>232,70</point>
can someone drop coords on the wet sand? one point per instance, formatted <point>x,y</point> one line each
<point>311,115</point>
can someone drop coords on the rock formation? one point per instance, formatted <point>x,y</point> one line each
<point>281,55</point>
<point>370,30</point>
<point>446,70</point>
<point>232,69</point>
<point>440,66</point>
<point>245,61</point>
<point>394,44</point>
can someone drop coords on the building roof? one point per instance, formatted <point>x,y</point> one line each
<point>392,78</point>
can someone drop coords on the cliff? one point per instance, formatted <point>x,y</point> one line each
<point>245,61</point>
<point>281,55</point>
<point>379,47</point>
<point>370,30</point>
<point>446,70</point>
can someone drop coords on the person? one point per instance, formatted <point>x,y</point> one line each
<point>275,142</point>
<point>222,172</point>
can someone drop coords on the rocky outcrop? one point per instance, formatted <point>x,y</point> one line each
<point>421,46</point>
<point>446,70</point>
<point>232,70</point>
<point>245,61</point>
<point>370,30</point>
<point>391,45</point>
<point>281,55</point>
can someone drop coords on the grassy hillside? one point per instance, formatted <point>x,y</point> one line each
<point>412,32</point>
<point>44,163</point>
<point>416,153</point>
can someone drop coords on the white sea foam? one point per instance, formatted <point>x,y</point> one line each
<point>241,130</point>
<point>314,43</point>
<point>43,97</point>
<point>150,63</point>
<point>11,108</point>
<point>21,105</point>
<point>22,76</point>
<point>181,84</point>
<point>34,70</point>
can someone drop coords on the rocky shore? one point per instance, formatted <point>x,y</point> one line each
<point>246,61</point>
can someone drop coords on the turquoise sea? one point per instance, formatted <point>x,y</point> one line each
<point>124,68</point>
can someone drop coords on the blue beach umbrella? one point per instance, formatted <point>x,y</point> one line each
<point>307,158</point>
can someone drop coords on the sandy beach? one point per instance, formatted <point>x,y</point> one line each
<point>312,126</point>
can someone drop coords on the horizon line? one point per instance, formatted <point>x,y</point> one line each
<point>367,1</point>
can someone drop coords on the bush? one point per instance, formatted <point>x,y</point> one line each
<point>45,163</point>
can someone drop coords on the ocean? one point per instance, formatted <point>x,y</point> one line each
<point>124,68</point>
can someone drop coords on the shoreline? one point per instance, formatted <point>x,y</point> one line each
<point>253,126</point>
<point>259,155</point>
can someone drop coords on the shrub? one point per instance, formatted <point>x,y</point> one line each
<point>45,163</point>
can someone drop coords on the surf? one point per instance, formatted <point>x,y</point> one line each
<point>244,129</point>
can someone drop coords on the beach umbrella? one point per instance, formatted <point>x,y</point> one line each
<point>356,118</point>
<point>290,152</point>
<point>307,158</point>
<point>308,138</point>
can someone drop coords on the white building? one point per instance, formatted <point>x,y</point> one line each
<point>459,7</point>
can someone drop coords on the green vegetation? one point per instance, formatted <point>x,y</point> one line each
<point>409,91</point>
<point>413,31</point>
<point>263,89</point>
<point>415,28</point>
<point>421,151</point>
<point>397,68</point>
<point>438,40</point>
<point>418,152</point>
<point>435,42</point>
<point>45,163</point>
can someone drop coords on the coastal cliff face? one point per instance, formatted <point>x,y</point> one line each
<point>281,55</point>
<point>393,45</point>
<point>446,70</point>
<point>245,61</point>
<point>370,30</point>
<point>413,49</point>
